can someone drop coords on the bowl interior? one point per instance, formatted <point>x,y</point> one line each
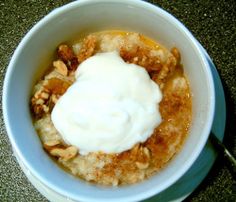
<point>79,18</point>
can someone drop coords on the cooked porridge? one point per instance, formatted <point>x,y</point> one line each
<point>145,157</point>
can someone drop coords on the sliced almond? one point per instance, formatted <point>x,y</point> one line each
<point>60,67</point>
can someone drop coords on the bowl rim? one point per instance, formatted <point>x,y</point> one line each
<point>59,11</point>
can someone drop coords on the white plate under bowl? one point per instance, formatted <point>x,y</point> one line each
<point>189,182</point>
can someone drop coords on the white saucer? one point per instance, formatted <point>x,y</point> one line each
<point>189,182</point>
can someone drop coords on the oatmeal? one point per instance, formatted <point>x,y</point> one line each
<point>145,157</point>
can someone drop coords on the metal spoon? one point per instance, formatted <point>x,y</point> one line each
<point>224,151</point>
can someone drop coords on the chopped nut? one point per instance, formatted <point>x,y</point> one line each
<point>65,53</point>
<point>176,54</point>
<point>76,48</point>
<point>60,67</point>
<point>45,108</point>
<point>51,143</point>
<point>72,74</point>
<point>163,73</point>
<point>135,149</point>
<point>38,110</point>
<point>135,59</point>
<point>36,95</point>
<point>161,85</point>
<point>54,98</point>
<point>57,86</point>
<point>146,152</point>
<point>73,64</point>
<point>44,95</point>
<point>65,154</point>
<point>142,165</point>
<point>115,182</point>
<point>41,94</point>
<point>171,63</point>
<point>39,102</point>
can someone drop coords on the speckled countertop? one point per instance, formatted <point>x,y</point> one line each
<point>212,22</point>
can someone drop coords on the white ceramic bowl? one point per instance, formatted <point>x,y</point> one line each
<point>86,16</point>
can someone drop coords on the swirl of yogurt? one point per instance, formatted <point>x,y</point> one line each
<point>110,107</point>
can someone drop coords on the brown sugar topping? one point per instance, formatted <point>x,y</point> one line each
<point>141,56</point>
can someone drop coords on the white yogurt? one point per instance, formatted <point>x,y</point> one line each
<point>110,107</point>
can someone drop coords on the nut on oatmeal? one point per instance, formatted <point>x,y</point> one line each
<point>66,54</point>
<point>51,143</point>
<point>57,86</point>
<point>66,154</point>
<point>60,67</point>
<point>176,54</point>
<point>141,165</point>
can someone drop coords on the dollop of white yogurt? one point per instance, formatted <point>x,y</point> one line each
<point>110,107</point>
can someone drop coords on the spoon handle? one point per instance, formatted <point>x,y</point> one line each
<point>223,150</point>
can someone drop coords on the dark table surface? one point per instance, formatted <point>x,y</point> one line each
<point>213,23</point>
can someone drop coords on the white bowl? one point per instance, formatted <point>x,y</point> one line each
<point>86,16</point>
